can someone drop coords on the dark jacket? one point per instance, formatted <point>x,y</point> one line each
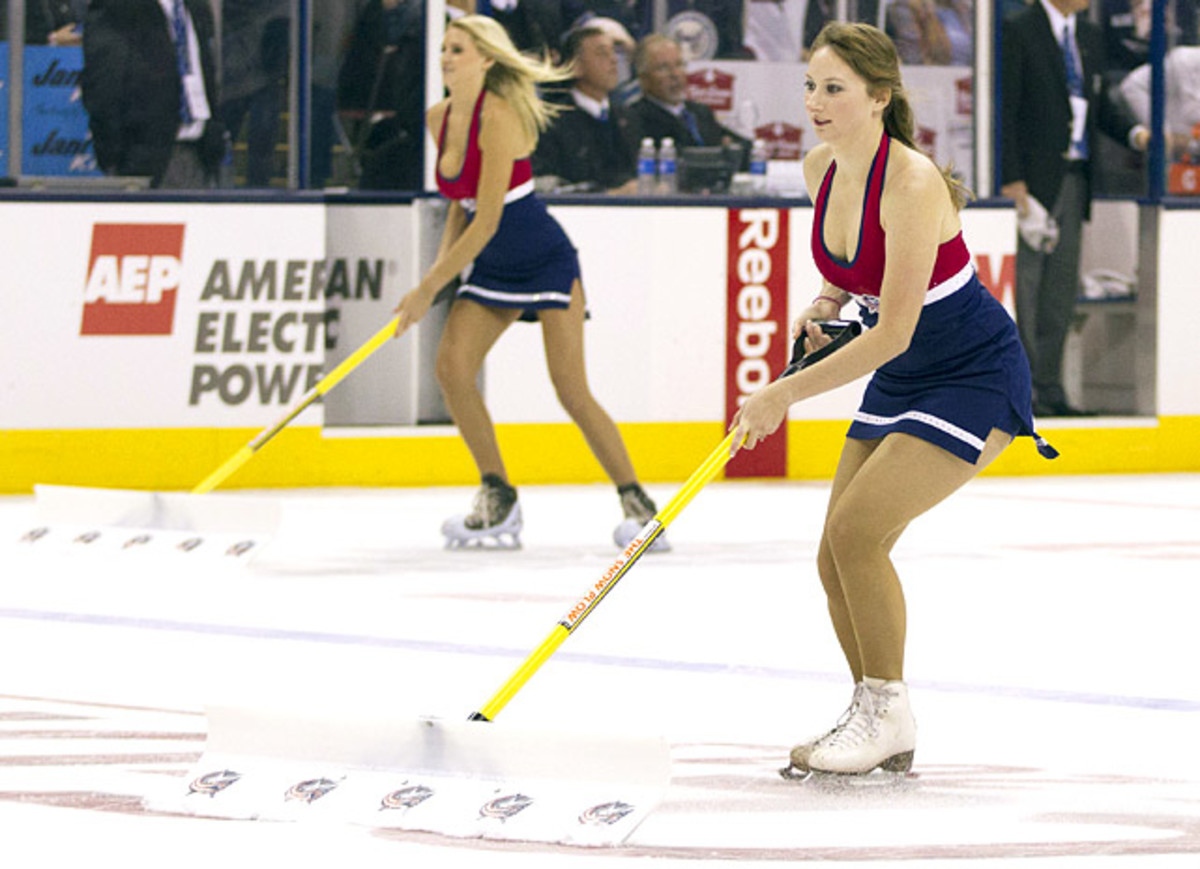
<point>1035,123</point>
<point>651,119</point>
<point>42,17</point>
<point>381,88</point>
<point>581,149</point>
<point>131,85</point>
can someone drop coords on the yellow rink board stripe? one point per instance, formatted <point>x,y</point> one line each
<point>177,459</point>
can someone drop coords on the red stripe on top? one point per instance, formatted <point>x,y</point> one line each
<point>465,185</point>
<point>863,274</point>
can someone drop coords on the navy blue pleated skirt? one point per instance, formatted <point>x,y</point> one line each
<point>529,263</point>
<point>964,374</point>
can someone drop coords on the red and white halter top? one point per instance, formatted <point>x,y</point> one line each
<point>465,185</point>
<point>862,275</point>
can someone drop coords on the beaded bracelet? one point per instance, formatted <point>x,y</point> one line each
<point>828,299</point>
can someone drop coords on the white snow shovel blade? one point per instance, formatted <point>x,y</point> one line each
<point>464,779</point>
<point>123,522</point>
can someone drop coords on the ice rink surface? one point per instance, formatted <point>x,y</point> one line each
<point>1053,659</point>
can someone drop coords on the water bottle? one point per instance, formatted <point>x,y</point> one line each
<point>647,167</point>
<point>667,183</point>
<point>758,167</point>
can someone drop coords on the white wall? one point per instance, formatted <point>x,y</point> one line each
<point>1178,314</point>
<point>656,279</point>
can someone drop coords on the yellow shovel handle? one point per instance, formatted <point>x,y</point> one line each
<point>606,583</point>
<point>324,385</point>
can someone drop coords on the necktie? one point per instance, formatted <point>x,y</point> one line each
<point>604,114</point>
<point>690,121</point>
<point>1074,81</point>
<point>182,60</point>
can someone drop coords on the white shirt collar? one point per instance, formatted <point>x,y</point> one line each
<point>592,106</point>
<point>1058,21</point>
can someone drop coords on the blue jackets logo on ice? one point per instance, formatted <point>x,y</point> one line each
<point>310,790</point>
<point>406,798</point>
<point>505,807</point>
<point>605,814</point>
<point>213,783</point>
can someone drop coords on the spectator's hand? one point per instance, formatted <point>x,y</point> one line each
<point>1018,193</point>
<point>629,188</point>
<point>1141,138</point>
<point>68,35</point>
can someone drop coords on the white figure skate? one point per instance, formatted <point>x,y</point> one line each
<point>798,768</point>
<point>880,734</point>
<point>494,521</point>
<point>639,509</point>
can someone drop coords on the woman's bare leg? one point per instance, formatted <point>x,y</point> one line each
<point>880,487</point>
<point>470,333</point>
<point>562,335</point>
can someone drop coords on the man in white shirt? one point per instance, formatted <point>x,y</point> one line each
<point>1182,97</point>
<point>664,110</point>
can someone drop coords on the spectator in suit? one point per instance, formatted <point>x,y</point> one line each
<point>591,144</point>
<point>150,90</point>
<point>663,109</point>
<point>1054,107</point>
<point>382,81</point>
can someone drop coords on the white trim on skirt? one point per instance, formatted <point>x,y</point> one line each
<point>515,300</point>
<point>928,419</point>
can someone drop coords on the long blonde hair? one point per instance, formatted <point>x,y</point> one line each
<point>872,55</point>
<point>513,75</point>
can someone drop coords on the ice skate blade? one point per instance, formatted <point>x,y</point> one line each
<point>794,773</point>
<point>489,542</point>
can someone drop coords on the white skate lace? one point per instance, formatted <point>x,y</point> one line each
<point>863,723</point>
<point>851,711</point>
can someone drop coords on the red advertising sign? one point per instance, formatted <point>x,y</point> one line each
<point>712,87</point>
<point>756,328</point>
<point>133,278</point>
<point>782,140</point>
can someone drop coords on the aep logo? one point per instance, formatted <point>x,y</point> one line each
<point>133,279</point>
